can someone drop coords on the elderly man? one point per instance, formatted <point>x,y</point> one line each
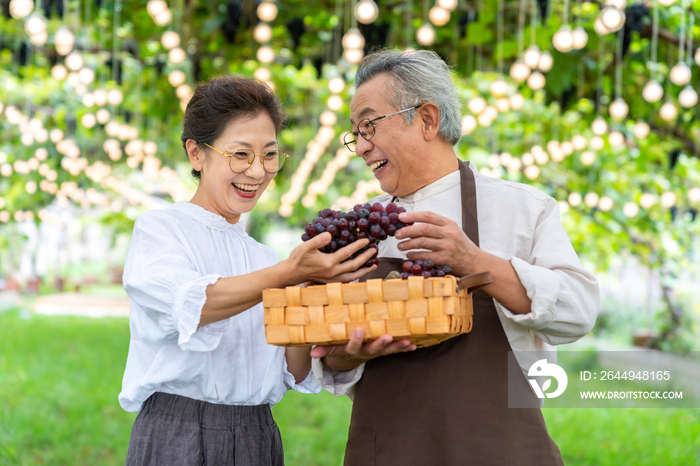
<point>448,404</point>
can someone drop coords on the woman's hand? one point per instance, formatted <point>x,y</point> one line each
<point>306,262</point>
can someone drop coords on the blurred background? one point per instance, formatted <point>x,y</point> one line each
<point>593,102</point>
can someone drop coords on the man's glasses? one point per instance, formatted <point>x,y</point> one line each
<point>366,129</point>
<point>239,161</point>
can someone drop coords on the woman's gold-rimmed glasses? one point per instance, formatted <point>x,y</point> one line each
<point>240,160</point>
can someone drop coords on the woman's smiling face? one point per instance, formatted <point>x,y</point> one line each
<point>224,192</point>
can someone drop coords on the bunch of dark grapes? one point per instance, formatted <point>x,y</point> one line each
<point>372,221</point>
<point>425,268</point>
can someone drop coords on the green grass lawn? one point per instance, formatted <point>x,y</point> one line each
<point>60,376</point>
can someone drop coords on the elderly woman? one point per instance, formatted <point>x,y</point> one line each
<point>199,370</point>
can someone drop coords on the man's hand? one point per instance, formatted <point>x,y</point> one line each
<point>354,353</point>
<point>444,240</point>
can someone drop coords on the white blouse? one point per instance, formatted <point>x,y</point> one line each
<point>173,256</point>
<point>521,224</point>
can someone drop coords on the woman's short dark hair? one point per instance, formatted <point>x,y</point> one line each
<point>224,99</point>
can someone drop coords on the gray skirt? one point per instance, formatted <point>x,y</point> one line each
<point>175,430</point>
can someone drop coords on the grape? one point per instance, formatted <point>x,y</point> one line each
<point>344,235</point>
<point>367,206</point>
<point>326,222</point>
<point>305,237</point>
<point>390,230</point>
<point>416,269</point>
<point>362,224</point>
<point>319,229</point>
<point>447,269</point>
<point>428,265</point>
<point>342,243</point>
<point>393,275</point>
<point>424,268</point>
<point>393,217</point>
<point>382,235</point>
<point>439,273</point>
<point>352,225</point>
<point>364,213</point>
<point>374,217</point>
<point>375,231</point>
<point>390,208</point>
<point>377,207</point>
<point>317,220</point>
<point>333,246</point>
<point>357,208</point>
<point>332,229</point>
<point>400,210</point>
<point>342,224</point>
<point>352,215</point>
<point>407,266</point>
<point>425,274</point>
<point>361,235</point>
<point>310,230</point>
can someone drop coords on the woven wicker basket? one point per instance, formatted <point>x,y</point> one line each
<point>426,311</point>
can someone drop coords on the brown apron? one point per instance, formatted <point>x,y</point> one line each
<point>448,404</point>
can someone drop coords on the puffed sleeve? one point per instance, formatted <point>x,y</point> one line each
<point>565,297</point>
<point>166,290</point>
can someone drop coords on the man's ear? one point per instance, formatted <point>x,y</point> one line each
<point>195,154</point>
<point>430,125</point>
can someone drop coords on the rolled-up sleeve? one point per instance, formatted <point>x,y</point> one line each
<point>337,383</point>
<point>166,290</point>
<point>565,297</point>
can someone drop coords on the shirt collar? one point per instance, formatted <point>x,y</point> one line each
<point>433,189</point>
<point>207,218</point>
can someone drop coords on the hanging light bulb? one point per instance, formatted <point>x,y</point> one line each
<point>35,24</point>
<point>566,148</point>
<point>468,124</point>
<point>613,19</point>
<point>484,120</point>
<point>591,199</point>
<point>425,35</point>
<point>476,105</point>
<point>449,5</point>
<point>262,33</point>
<point>366,11</point>
<point>580,38</point>
<point>563,39</point>
<point>353,56</point>
<point>499,88</point>
<point>599,27</point>
<point>516,101</point>
<point>74,61</point>
<point>491,112</point>
<point>667,2</point>
<point>599,126</point>
<point>265,54</point>
<point>183,92</point>
<point>86,76</point>
<point>641,130</point>
<point>328,118</point>
<point>668,111</point>
<point>336,85</point>
<point>619,109</point>
<point>267,11</point>
<point>59,72</point>
<point>88,100</point>
<point>170,40</point>
<point>596,143</point>
<point>100,96</point>
<point>688,97</point>
<point>103,116</point>
<point>647,200</point>
<point>694,194</point>
<point>176,55</point>
<point>605,204</point>
<point>353,39</point>
<point>575,199</point>
<point>176,77</point>
<point>536,80</point>
<point>502,105</point>
<point>163,18</point>
<point>616,139</point>
<point>263,74</point>
<point>668,199</point>
<point>154,7</point>
<point>579,142</point>
<point>21,8</point>
<point>619,4</point>
<point>64,40</point>
<point>519,71</point>
<point>546,62</point>
<point>115,97</point>
<point>88,120</point>
<point>335,102</point>
<point>587,158</point>
<point>531,57</point>
<point>680,74</point>
<point>652,92</point>
<point>439,16</point>
<point>39,39</point>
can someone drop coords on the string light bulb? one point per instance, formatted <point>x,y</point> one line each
<point>613,19</point>
<point>667,2</point>
<point>599,27</point>
<point>155,7</point>
<point>267,11</point>
<point>476,105</point>
<point>439,16</point>
<point>519,71</point>
<point>35,24</point>
<point>596,143</point>
<point>546,62</point>
<point>616,139</point>
<point>580,38</point>
<point>425,35</point>
<point>449,5</point>
<point>163,18</point>
<point>353,56</point>
<point>74,61</point>
<point>170,40</point>
<point>177,55</point>
<point>336,85</point>
<point>619,109</point>
<point>21,8</point>
<point>591,199</point>
<point>680,74</point>
<point>641,130</point>
<point>579,142</point>
<point>694,194</point>
<point>468,124</point>
<point>599,126</point>
<point>531,57</point>
<point>366,11</point>
<point>176,77</point>
<point>605,204</point>
<point>499,88</point>
<point>262,33</point>
<point>516,101</point>
<point>652,92</point>
<point>64,41</point>
<point>353,39</point>
<point>536,81</point>
<point>563,39</point>
<point>688,97</point>
<point>647,200</point>
<point>668,111</point>
<point>59,72</point>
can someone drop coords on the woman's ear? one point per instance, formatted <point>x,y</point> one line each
<point>196,155</point>
<point>430,114</point>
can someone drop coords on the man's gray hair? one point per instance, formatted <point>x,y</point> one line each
<point>416,77</point>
